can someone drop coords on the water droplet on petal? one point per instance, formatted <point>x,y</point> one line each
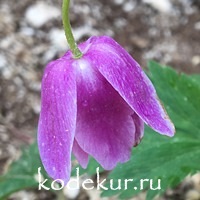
<point>85,103</point>
<point>131,94</point>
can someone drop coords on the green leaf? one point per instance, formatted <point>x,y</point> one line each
<point>159,157</point>
<point>22,173</point>
<point>196,78</point>
<point>170,161</point>
<point>180,95</point>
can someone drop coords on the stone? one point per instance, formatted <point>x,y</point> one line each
<point>40,13</point>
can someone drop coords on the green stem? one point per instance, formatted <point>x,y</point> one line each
<point>68,31</point>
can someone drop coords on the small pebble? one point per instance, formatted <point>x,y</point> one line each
<point>73,190</point>
<point>128,6</point>
<point>163,6</point>
<point>192,195</point>
<point>40,13</point>
<point>196,60</point>
<point>197,26</point>
<point>3,62</point>
<point>58,39</point>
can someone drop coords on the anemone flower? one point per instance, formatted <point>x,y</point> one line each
<point>96,106</point>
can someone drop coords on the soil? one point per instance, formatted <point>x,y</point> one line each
<point>171,37</point>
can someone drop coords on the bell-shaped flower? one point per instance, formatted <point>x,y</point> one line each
<point>95,106</point>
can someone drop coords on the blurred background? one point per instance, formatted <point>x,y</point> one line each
<point>31,35</point>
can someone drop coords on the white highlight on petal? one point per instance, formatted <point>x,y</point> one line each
<point>60,144</point>
<point>83,69</point>
<point>82,64</point>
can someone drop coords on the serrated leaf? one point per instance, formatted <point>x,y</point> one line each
<point>181,96</point>
<point>158,157</point>
<point>167,161</point>
<point>22,173</point>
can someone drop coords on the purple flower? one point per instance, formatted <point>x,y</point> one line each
<point>95,106</point>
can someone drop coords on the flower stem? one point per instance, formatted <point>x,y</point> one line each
<point>68,31</point>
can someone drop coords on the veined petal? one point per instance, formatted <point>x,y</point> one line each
<point>127,77</point>
<point>57,119</point>
<point>105,128</point>
<point>80,155</point>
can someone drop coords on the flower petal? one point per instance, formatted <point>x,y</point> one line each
<point>105,128</point>
<point>80,155</point>
<point>57,119</point>
<point>126,76</point>
<point>139,128</point>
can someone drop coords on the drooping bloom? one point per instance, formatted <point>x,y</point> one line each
<point>95,106</point>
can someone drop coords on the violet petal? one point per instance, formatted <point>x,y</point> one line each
<point>127,77</point>
<point>105,128</point>
<point>80,155</point>
<point>57,119</point>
